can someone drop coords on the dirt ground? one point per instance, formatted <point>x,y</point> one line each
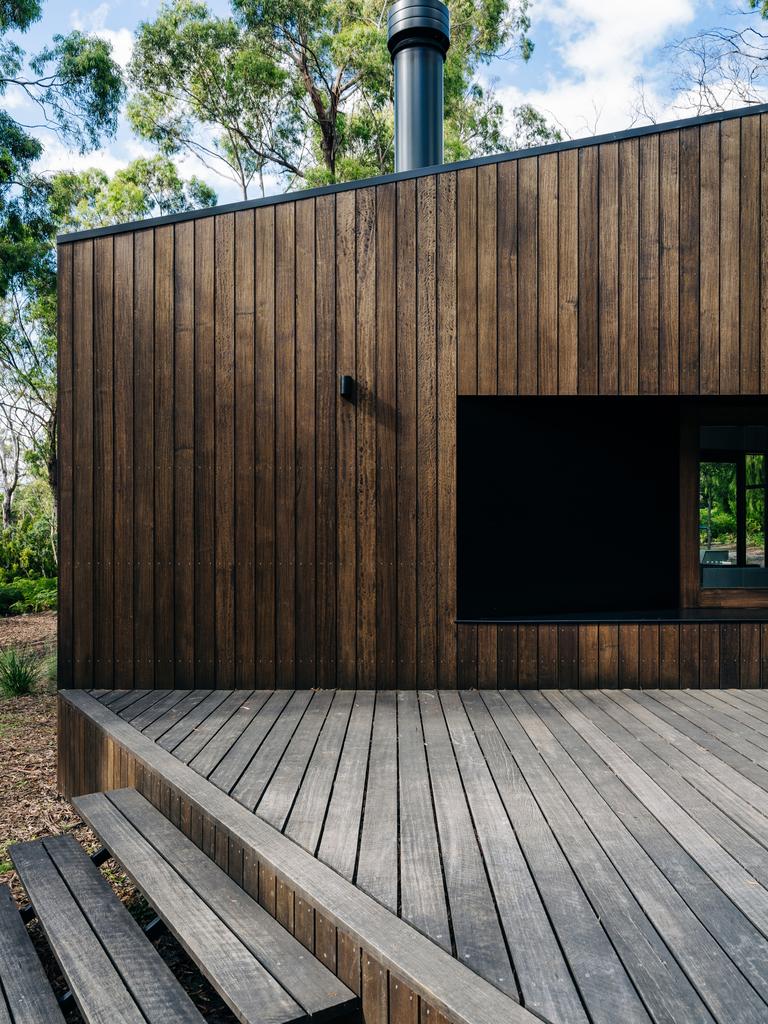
<point>37,631</point>
<point>31,808</point>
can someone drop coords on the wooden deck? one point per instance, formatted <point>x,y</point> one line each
<point>596,855</point>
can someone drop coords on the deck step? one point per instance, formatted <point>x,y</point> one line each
<point>260,970</point>
<point>25,995</point>
<point>113,971</point>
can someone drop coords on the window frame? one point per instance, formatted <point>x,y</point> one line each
<point>692,593</point>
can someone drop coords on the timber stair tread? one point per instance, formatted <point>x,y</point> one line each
<point>115,974</point>
<point>25,995</point>
<point>259,969</point>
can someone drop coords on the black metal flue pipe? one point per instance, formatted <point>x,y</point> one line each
<point>418,40</point>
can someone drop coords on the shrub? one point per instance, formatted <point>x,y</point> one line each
<point>10,594</point>
<point>26,546</point>
<point>18,673</point>
<point>28,595</point>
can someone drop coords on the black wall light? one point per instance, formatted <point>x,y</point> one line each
<point>347,387</point>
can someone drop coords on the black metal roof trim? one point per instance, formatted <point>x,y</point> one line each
<point>421,172</point>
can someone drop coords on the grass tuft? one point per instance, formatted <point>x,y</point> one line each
<point>19,673</point>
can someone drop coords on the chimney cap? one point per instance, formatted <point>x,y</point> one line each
<point>418,23</point>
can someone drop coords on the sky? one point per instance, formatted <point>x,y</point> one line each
<point>589,57</point>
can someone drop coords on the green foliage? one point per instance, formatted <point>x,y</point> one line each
<point>27,545</point>
<point>189,69</point>
<point>304,89</point>
<point>147,187</point>
<point>78,90</point>
<point>84,102</point>
<point>23,595</point>
<point>18,673</point>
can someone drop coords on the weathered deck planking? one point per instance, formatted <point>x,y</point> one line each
<point>598,855</point>
<point>25,995</point>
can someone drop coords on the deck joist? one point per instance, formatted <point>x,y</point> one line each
<point>586,856</point>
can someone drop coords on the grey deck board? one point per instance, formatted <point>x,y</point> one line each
<point>194,743</point>
<point>107,697</point>
<point>308,812</point>
<point>734,770</point>
<point>99,991</point>
<point>422,890</point>
<point>257,775</point>
<point>742,846</point>
<point>242,752</point>
<point>146,699</point>
<point>341,831</point>
<point>194,718</point>
<point>161,726</point>
<point>542,971</point>
<point>730,731</point>
<point>663,990</point>
<point>279,796</point>
<point>736,824</point>
<point>625,831</point>
<point>701,744</point>
<point>724,701</point>
<point>716,979</point>
<point>297,971</point>
<point>602,979</point>
<point>377,860</point>
<point>750,700</point>
<point>24,990</point>
<point>151,983</point>
<point>226,739</point>
<point>476,927</point>
<point>156,709</point>
<point>244,984</point>
<point>728,926</point>
<point>122,701</point>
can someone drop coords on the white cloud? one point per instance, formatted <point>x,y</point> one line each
<point>57,157</point>
<point>94,22</point>
<point>602,50</point>
<point>121,40</point>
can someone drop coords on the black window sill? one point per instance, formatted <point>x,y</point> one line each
<point>664,615</point>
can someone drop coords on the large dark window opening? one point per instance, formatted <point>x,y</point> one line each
<point>567,506</point>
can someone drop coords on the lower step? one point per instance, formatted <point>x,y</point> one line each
<point>25,995</point>
<point>113,971</point>
<point>260,970</point>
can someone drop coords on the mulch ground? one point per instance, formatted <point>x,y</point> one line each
<point>36,631</point>
<point>30,808</point>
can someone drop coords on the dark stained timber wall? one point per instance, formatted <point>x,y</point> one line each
<point>228,520</point>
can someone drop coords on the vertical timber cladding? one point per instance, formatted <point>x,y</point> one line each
<point>228,520</point>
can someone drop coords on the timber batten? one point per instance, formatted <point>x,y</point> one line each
<point>227,520</point>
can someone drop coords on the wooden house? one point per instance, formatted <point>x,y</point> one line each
<point>442,431</point>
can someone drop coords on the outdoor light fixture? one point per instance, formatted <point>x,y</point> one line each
<point>347,387</point>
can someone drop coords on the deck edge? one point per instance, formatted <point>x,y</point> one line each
<point>99,751</point>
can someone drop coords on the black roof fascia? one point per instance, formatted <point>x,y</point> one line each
<point>496,158</point>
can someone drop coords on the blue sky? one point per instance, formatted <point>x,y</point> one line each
<point>588,59</point>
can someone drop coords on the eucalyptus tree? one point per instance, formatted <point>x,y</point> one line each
<point>302,89</point>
